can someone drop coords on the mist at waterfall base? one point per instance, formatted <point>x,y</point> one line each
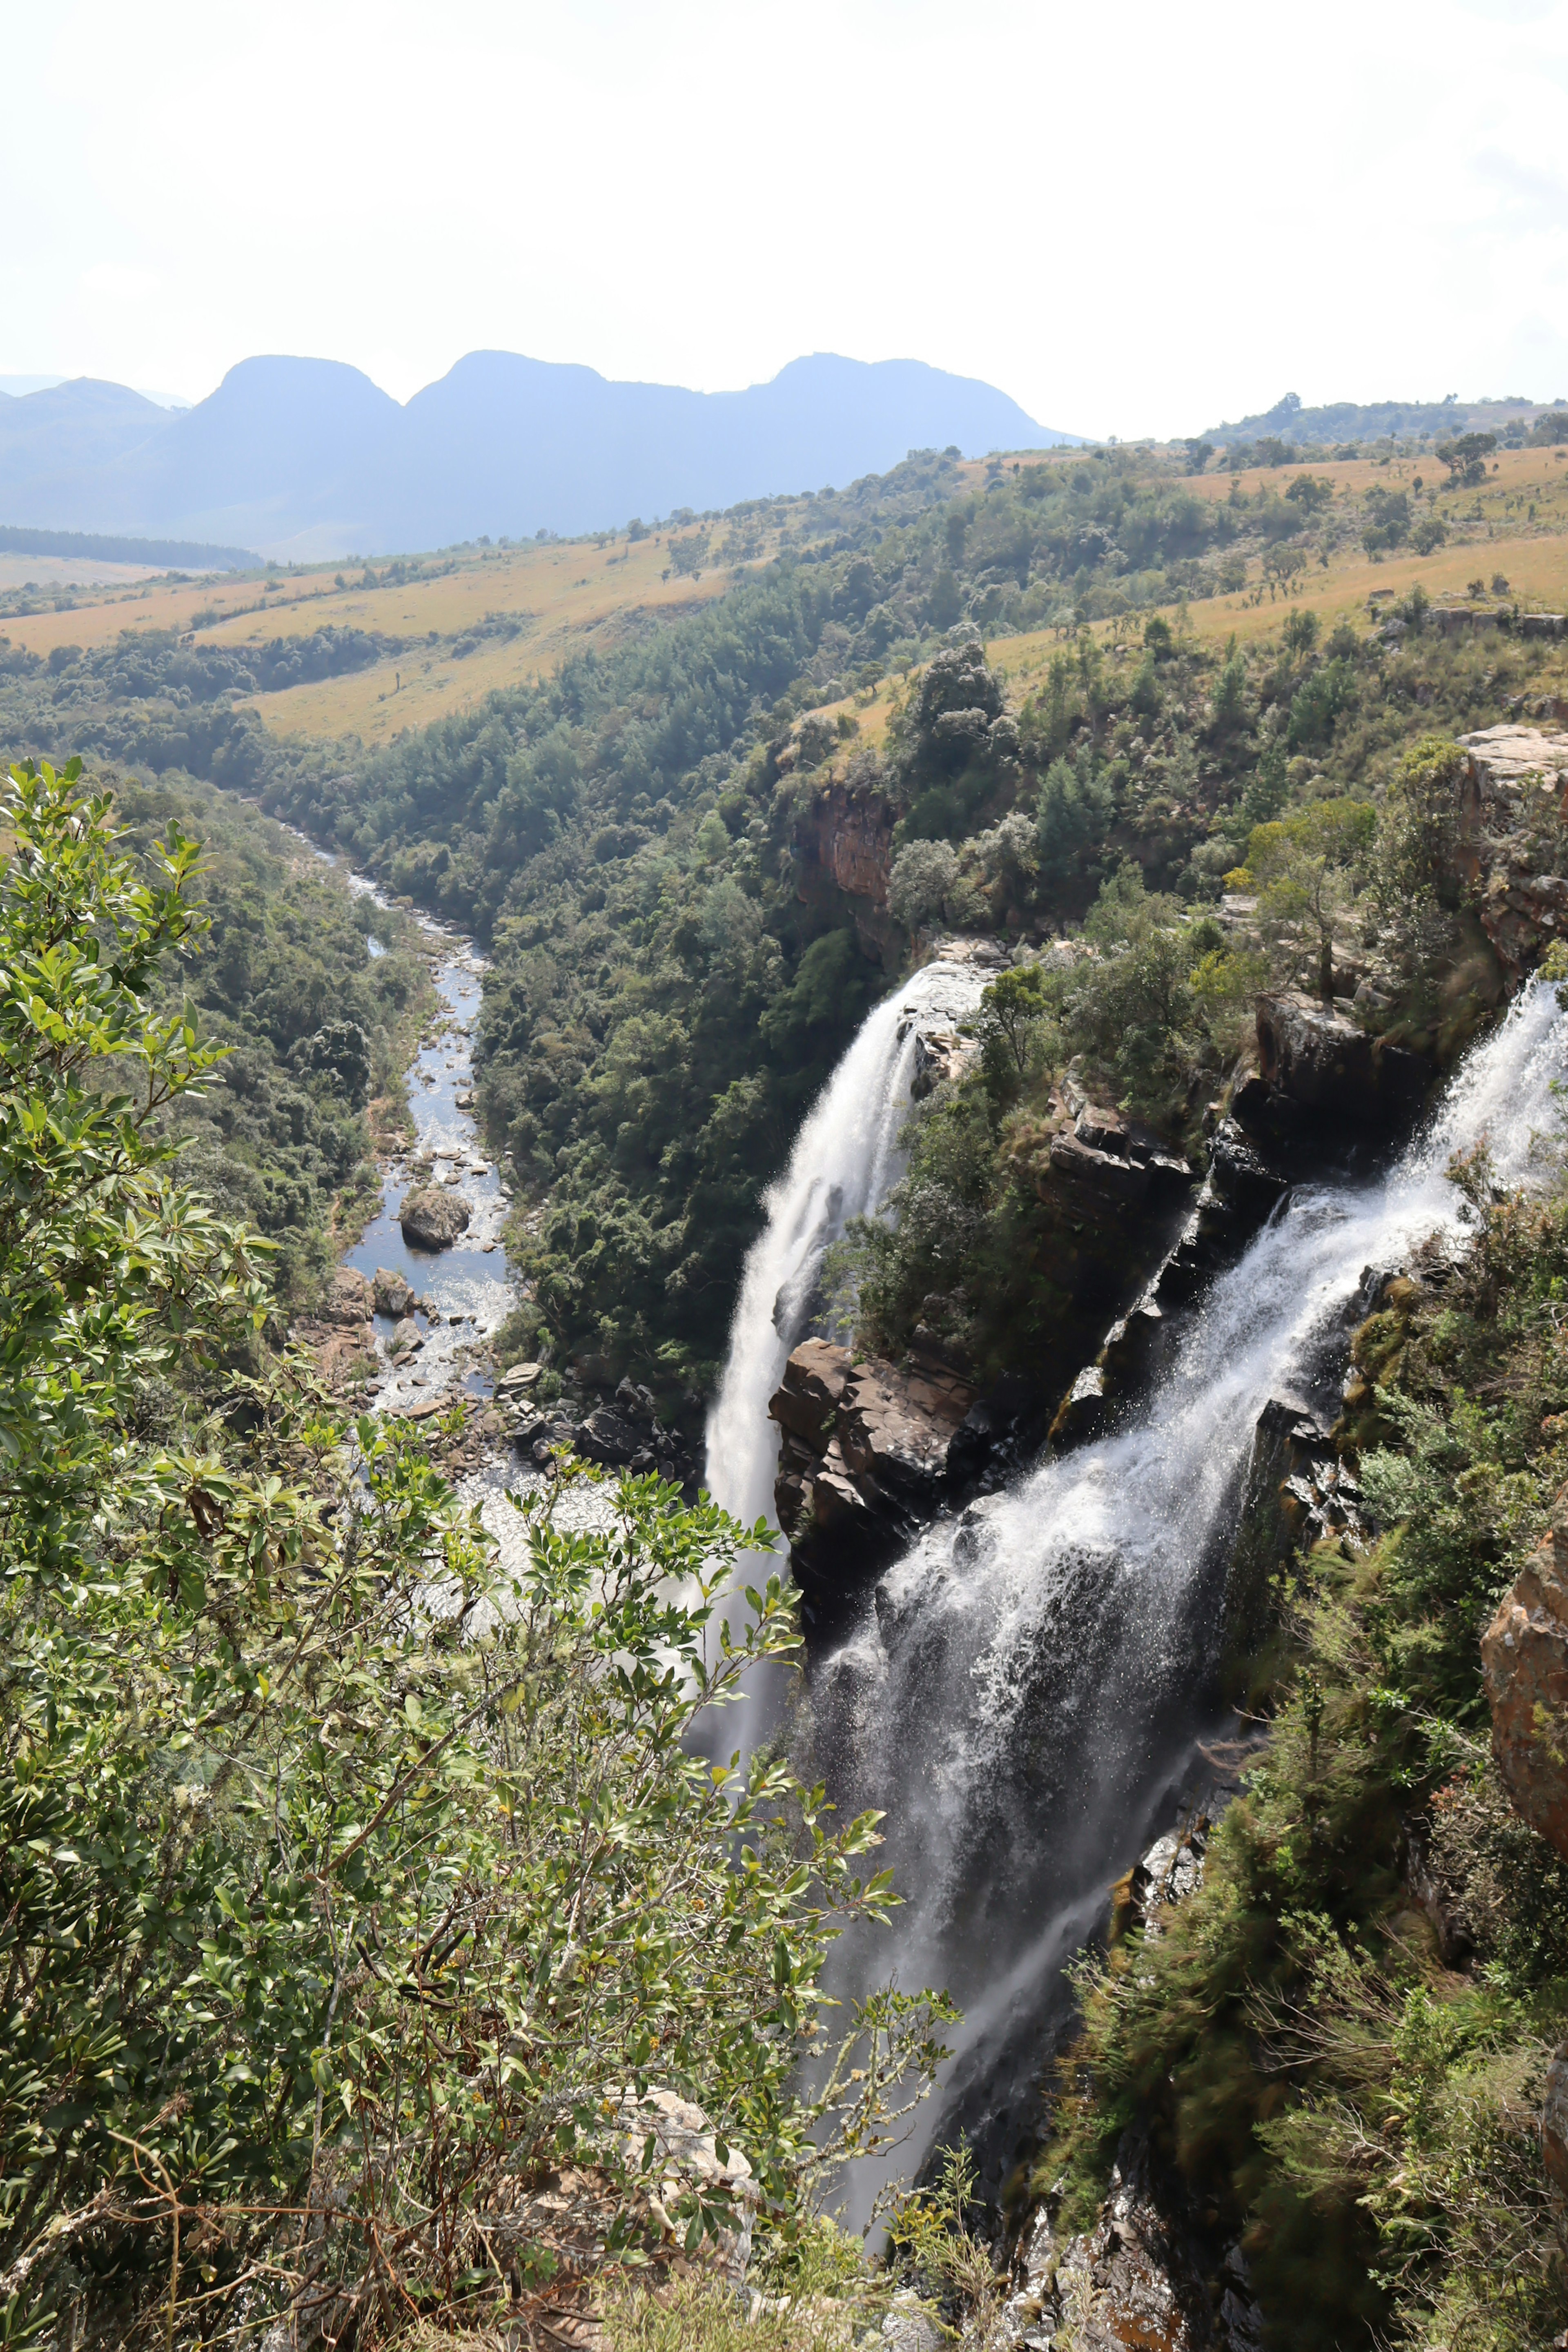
<point>845,1163</point>
<point>1026,1696</point>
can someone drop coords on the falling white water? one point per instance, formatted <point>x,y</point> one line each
<point>1021,1701</point>
<point>844,1163</point>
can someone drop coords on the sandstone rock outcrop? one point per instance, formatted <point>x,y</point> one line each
<point>863,1458</point>
<point>1109,1161</point>
<point>343,1336</point>
<point>1515,783</point>
<point>1524,1658</point>
<point>1321,1062</point>
<point>432,1217</point>
<point>844,844</point>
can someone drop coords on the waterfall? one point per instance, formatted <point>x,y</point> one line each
<point>844,1163</point>
<point>1024,1699</point>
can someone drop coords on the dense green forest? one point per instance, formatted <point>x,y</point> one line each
<point>317,997</point>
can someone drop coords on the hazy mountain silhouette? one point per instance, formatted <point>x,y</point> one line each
<point>308,458</point>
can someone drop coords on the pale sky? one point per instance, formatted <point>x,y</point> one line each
<point>1135,219</point>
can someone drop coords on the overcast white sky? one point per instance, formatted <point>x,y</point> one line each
<point>1134,219</point>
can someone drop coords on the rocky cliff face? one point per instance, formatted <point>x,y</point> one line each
<point>1517,779</point>
<point>863,1459</point>
<point>1524,1656</point>
<point>844,849</point>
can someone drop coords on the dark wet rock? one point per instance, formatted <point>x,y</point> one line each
<point>1147,2275</point>
<point>1001,1431</point>
<point>863,1458</point>
<point>1241,1176</point>
<point>1330,1065</point>
<point>1524,1658</point>
<point>1297,1493</point>
<point>432,1217</point>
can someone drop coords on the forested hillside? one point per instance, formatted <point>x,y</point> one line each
<point>632,837</point>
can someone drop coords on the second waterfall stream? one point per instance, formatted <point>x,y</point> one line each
<point>1023,1694</point>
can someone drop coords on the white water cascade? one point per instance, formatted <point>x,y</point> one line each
<point>1024,1699</point>
<point>844,1163</point>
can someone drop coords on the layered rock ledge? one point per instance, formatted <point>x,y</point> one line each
<point>864,1457</point>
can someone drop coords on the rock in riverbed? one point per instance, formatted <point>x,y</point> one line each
<point>432,1218</point>
<point>392,1294</point>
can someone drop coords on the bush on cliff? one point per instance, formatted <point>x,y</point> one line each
<point>348,1886</point>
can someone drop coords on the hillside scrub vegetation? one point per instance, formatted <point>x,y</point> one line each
<point>353,1895</point>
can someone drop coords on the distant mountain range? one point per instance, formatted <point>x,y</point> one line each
<point>306,459</point>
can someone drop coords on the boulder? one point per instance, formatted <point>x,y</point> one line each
<point>406,1335</point>
<point>863,1459</point>
<point>1326,1064</point>
<point>808,1398</point>
<point>349,1300</point>
<point>432,1218</point>
<point>391,1293</point>
<point>602,1437</point>
<point>1524,1658</point>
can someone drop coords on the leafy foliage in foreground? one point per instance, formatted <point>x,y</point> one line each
<point>347,1886</point>
<point>1359,2099</point>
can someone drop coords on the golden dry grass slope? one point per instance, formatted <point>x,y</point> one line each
<point>564,595</point>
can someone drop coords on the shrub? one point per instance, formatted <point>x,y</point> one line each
<point>346,1882</point>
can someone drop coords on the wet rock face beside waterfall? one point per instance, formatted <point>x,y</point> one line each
<point>863,1458</point>
<point>1297,1492</point>
<point>1146,2276</point>
<point>1324,1064</point>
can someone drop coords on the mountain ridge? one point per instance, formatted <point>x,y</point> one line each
<point>309,457</point>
